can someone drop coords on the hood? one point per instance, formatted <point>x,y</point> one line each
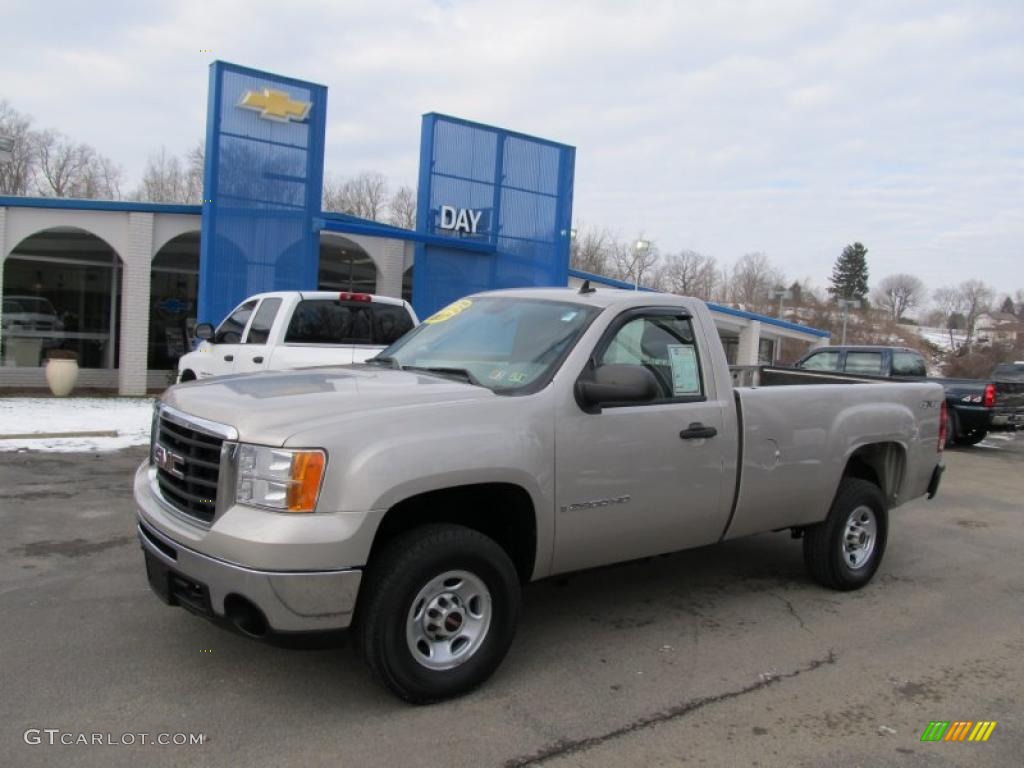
<point>268,407</point>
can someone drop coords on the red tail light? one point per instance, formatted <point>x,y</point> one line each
<point>346,296</point>
<point>989,401</point>
<point>943,425</point>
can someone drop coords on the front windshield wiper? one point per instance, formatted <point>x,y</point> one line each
<point>385,360</point>
<point>462,373</point>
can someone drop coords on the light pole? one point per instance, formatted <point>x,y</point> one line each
<point>781,294</point>
<point>640,249</point>
<point>847,305</point>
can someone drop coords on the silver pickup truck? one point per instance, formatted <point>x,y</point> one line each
<point>512,436</point>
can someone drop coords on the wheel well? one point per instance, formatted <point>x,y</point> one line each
<point>880,463</point>
<point>188,375</point>
<point>502,511</point>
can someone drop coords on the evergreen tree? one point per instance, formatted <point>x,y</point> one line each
<point>850,274</point>
<point>1008,306</point>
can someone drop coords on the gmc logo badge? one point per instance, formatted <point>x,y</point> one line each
<point>169,461</point>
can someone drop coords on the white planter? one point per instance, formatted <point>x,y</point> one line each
<point>61,375</point>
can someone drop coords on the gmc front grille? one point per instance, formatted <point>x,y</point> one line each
<point>188,477</point>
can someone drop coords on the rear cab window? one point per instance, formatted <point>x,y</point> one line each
<point>908,364</point>
<point>864,362</point>
<point>259,331</point>
<point>334,321</point>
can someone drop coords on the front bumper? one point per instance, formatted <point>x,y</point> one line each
<point>290,601</point>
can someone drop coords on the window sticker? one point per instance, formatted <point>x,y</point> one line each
<point>449,312</point>
<point>685,379</point>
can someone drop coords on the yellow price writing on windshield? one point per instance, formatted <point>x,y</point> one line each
<point>449,312</point>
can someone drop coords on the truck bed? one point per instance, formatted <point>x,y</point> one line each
<point>798,429</point>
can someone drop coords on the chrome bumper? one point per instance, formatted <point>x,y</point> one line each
<point>296,601</point>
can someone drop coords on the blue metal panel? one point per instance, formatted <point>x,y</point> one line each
<point>520,187</point>
<point>263,181</point>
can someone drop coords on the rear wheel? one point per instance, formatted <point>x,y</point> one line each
<point>845,550</point>
<point>438,611</point>
<point>973,437</point>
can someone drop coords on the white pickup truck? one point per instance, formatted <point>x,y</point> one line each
<point>297,329</point>
<point>512,436</point>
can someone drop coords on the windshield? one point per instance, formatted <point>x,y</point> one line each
<point>509,345</point>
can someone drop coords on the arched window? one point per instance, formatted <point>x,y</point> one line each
<point>61,290</point>
<point>174,282</point>
<point>345,266</point>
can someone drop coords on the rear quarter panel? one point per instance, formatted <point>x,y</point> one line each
<point>798,439</point>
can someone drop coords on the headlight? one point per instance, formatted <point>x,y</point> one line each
<point>279,478</point>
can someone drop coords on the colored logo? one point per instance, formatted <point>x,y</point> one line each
<point>276,105</point>
<point>958,730</point>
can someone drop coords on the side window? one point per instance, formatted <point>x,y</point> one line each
<point>665,346</point>
<point>822,361</point>
<point>259,331</point>
<point>908,364</point>
<point>864,362</point>
<point>329,321</point>
<point>230,331</point>
<point>390,322</point>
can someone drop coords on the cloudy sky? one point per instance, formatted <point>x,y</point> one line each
<point>790,127</point>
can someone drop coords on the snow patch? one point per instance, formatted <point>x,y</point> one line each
<point>130,416</point>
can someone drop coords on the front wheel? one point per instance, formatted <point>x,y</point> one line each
<point>845,550</point>
<point>438,611</point>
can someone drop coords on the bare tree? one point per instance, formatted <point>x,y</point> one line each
<point>195,162</point>
<point>164,180</point>
<point>17,174</point>
<point>977,299</point>
<point>63,164</point>
<point>403,208</point>
<point>899,294</point>
<point>632,262</point>
<point>949,302</point>
<point>101,180</point>
<point>364,195</point>
<point>689,273</point>
<point>591,249</point>
<point>753,278</point>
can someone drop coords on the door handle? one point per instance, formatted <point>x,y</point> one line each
<point>258,359</point>
<point>697,431</point>
<point>229,358</point>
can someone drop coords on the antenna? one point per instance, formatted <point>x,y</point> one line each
<point>585,288</point>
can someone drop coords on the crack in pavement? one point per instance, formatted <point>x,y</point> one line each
<point>574,746</point>
<point>792,611</point>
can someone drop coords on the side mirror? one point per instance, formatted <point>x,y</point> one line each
<point>204,331</point>
<point>616,384</point>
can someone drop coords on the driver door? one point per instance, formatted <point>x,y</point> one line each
<point>628,483</point>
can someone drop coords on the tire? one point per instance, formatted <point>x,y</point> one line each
<point>951,426</point>
<point>973,437</point>
<point>472,587</point>
<point>830,558</point>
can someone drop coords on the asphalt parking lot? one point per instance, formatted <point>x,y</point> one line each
<point>727,655</point>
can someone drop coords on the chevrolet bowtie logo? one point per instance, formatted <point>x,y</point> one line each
<point>275,105</point>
